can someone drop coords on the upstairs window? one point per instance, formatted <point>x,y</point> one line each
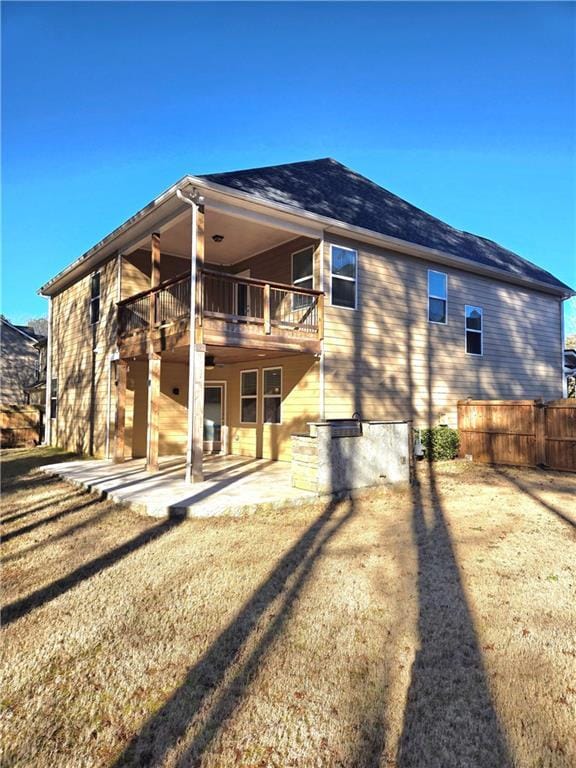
<point>95,298</point>
<point>344,275</point>
<point>53,398</point>
<point>437,297</point>
<point>248,397</point>
<point>272,395</point>
<point>303,275</point>
<point>473,330</point>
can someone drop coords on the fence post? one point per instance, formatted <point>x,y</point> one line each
<point>540,431</point>
<point>267,323</point>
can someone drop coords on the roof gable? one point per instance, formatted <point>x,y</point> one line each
<point>327,188</point>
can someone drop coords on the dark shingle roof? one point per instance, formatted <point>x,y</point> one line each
<point>328,188</point>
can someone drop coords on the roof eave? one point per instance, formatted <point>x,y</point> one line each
<point>404,246</point>
<point>105,248</point>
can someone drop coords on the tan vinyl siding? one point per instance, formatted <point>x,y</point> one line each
<point>275,264</point>
<point>137,267</point>
<point>83,376</point>
<point>270,441</point>
<point>300,404</point>
<point>386,360</point>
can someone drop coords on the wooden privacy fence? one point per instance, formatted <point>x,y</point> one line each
<point>523,432</point>
<point>21,425</point>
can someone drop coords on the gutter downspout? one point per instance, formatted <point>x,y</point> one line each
<point>193,203</point>
<point>47,419</point>
<point>562,345</point>
<point>322,344</point>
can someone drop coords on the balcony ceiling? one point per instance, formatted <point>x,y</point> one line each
<point>242,238</point>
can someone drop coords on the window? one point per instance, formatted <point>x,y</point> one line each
<point>95,298</point>
<point>344,269</point>
<point>53,398</point>
<point>437,296</point>
<point>272,395</point>
<point>473,330</point>
<point>248,397</point>
<point>303,275</point>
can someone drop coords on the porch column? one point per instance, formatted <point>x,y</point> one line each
<point>120,421</point>
<point>153,428</point>
<point>194,471</point>
<point>155,255</point>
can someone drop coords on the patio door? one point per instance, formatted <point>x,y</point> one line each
<point>213,417</point>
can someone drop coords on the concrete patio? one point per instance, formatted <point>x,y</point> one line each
<point>233,485</point>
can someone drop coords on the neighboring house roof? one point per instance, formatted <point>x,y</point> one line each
<point>328,188</point>
<point>25,330</point>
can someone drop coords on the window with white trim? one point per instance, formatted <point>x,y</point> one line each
<point>95,298</point>
<point>437,297</point>
<point>474,323</point>
<point>272,390</point>
<point>249,397</point>
<point>344,268</point>
<point>303,275</point>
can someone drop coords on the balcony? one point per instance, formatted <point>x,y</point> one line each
<point>230,311</point>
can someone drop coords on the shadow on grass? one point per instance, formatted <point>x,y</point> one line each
<point>55,501</point>
<point>21,607</point>
<point>21,462</point>
<point>525,488</point>
<point>51,518</point>
<point>450,719</point>
<point>96,518</point>
<point>170,724</point>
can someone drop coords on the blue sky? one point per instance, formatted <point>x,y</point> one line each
<point>466,110</point>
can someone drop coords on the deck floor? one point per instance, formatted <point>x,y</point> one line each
<point>232,485</point>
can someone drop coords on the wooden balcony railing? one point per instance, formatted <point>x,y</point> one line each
<point>269,307</point>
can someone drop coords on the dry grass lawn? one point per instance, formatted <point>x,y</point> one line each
<point>433,627</point>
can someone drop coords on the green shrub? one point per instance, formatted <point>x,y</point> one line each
<point>440,443</point>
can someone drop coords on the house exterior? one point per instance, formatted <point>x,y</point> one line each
<point>19,362</point>
<point>570,371</point>
<point>236,308</point>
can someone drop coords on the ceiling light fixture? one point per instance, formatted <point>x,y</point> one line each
<point>209,363</point>
<point>217,238</point>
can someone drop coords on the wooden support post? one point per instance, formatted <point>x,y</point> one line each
<point>154,280</point>
<point>194,469</point>
<point>540,431</point>
<point>267,322</point>
<point>153,427</point>
<point>321,316</point>
<point>120,421</point>
<point>155,266</point>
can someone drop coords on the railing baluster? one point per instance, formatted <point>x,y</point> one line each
<point>267,322</point>
<point>229,297</point>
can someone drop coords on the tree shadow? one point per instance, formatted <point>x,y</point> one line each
<point>19,608</point>
<point>51,519</point>
<point>449,718</point>
<point>55,500</point>
<point>59,536</point>
<point>212,688</point>
<point>517,483</point>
